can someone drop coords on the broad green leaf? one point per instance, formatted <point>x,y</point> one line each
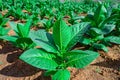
<point>98,38</point>
<point>61,75</point>
<point>85,41</point>
<point>100,46</point>
<point>44,40</point>
<point>108,28</point>
<point>113,39</point>
<point>14,26</point>
<point>105,30</point>
<point>4,31</point>
<point>39,58</point>
<point>46,45</point>
<point>20,28</point>
<point>107,20</point>
<point>80,59</point>
<point>77,32</point>
<point>61,34</point>
<point>9,38</point>
<point>95,32</point>
<point>27,28</point>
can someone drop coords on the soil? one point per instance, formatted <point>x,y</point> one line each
<point>105,67</point>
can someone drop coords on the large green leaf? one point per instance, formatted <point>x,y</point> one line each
<point>107,20</point>
<point>14,26</point>
<point>4,31</point>
<point>61,34</point>
<point>9,38</point>
<point>39,58</point>
<point>113,39</point>
<point>80,59</point>
<point>44,40</point>
<point>77,32</point>
<point>100,46</point>
<point>61,75</point>
<point>27,28</point>
<point>95,32</point>
<point>85,41</point>
<point>43,35</point>
<point>107,28</point>
<point>20,28</point>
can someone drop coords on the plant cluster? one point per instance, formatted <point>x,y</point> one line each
<point>51,48</point>
<point>3,29</point>
<point>103,24</point>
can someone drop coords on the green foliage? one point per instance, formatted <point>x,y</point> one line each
<point>48,23</point>
<point>61,75</point>
<point>21,38</point>
<point>74,19</point>
<point>0,5</point>
<point>3,20</point>
<point>35,17</point>
<point>16,12</point>
<point>102,24</point>
<point>3,29</point>
<point>55,54</point>
<point>116,11</point>
<point>47,8</point>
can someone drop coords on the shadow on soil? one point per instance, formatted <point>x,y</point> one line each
<point>21,69</point>
<point>6,47</point>
<point>114,64</point>
<point>16,67</point>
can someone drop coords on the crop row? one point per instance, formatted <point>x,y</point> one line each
<point>51,47</point>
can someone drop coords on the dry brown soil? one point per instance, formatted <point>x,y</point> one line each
<point>105,67</point>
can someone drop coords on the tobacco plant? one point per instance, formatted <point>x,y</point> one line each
<point>116,11</point>
<point>74,19</point>
<point>48,23</point>
<point>35,17</point>
<point>3,29</point>
<point>21,38</point>
<point>102,24</point>
<point>55,54</point>
<point>17,13</point>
